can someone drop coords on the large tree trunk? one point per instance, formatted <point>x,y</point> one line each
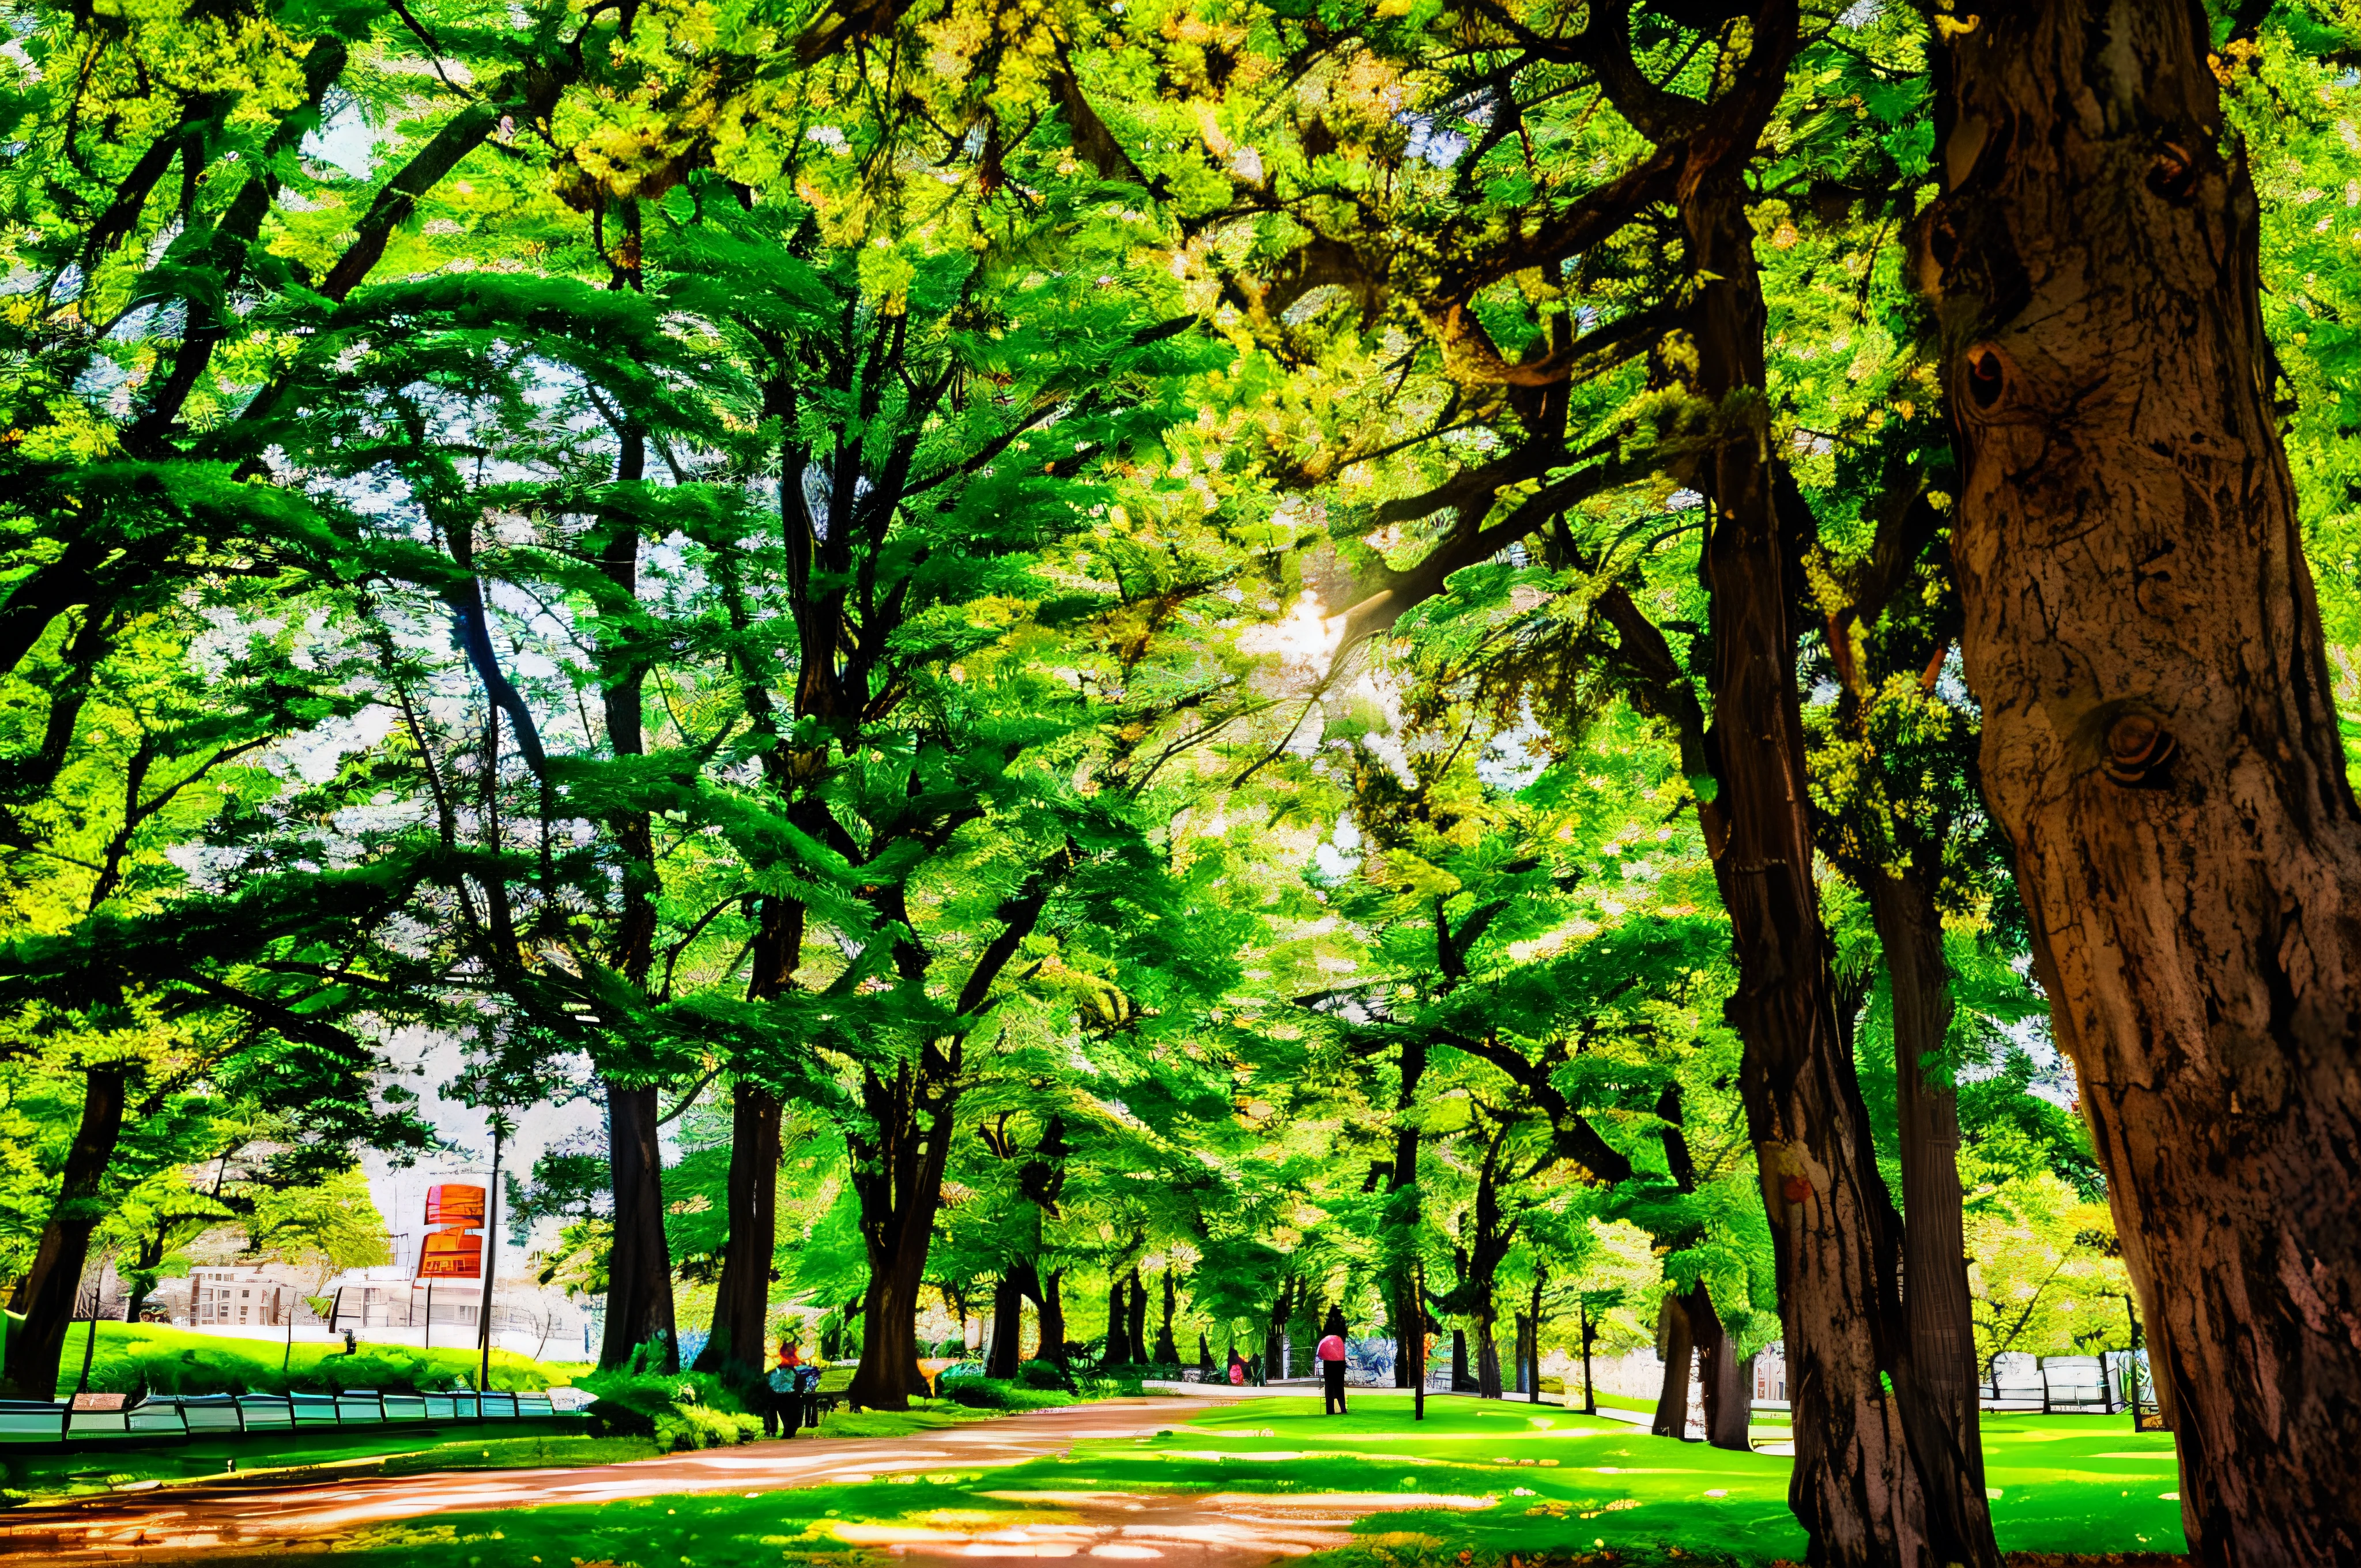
<point>1052,1304</point>
<point>48,1291</point>
<point>1118,1344</point>
<point>1719,1390</point>
<point>898,1175</point>
<point>2159,738</point>
<point>1167,1353</point>
<point>639,1266</point>
<point>1007,1329</point>
<point>1855,1488</point>
<point>1937,1389</point>
<point>742,1303</point>
<point>1135,1326</point>
<point>1676,1343</point>
<point>1487,1350</point>
<point>1402,1302</point>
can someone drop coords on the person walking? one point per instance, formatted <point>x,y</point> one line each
<point>1330,1354</point>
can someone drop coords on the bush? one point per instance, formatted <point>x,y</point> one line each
<point>1044,1375</point>
<point>1001,1394</point>
<point>680,1410</point>
<point>158,1359</point>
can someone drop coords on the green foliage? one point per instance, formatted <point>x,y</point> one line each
<point>131,1358</point>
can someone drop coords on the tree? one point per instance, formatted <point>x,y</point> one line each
<point>2160,744</point>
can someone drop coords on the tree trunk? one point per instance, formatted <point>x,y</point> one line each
<point>1402,1218</point>
<point>639,1267</point>
<point>1833,1229</point>
<point>1676,1342</point>
<point>1053,1316</point>
<point>1168,1353</point>
<point>1118,1349</point>
<point>898,1175</point>
<point>1462,1380</point>
<point>2161,740</point>
<point>1589,1338</point>
<point>742,1303</point>
<point>1135,1326</point>
<point>1487,1350</point>
<point>1007,1329</point>
<point>50,1289</point>
<point>1937,1389</point>
<point>1725,1406</point>
<point>1274,1344</point>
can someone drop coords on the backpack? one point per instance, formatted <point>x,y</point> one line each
<point>782,1379</point>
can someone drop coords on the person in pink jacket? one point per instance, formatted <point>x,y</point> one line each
<point>1330,1354</point>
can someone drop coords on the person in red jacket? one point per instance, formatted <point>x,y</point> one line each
<point>1330,1354</point>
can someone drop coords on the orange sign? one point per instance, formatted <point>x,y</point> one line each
<point>450,1255</point>
<point>450,1204</point>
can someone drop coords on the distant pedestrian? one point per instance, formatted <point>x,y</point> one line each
<point>1237,1368</point>
<point>1330,1354</point>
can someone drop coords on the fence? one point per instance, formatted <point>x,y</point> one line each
<point>111,1416</point>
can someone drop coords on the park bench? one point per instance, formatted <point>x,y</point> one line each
<point>2015,1384</point>
<point>2077,1384</point>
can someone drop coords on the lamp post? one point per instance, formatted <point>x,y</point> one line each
<point>501,1127</point>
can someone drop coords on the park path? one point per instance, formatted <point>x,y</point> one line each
<point>1227,1530</point>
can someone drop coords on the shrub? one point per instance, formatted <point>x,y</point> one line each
<point>162,1360</point>
<point>1001,1394</point>
<point>1044,1375</point>
<point>681,1410</point>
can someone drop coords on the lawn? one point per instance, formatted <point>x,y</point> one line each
<point>1554,1483</point>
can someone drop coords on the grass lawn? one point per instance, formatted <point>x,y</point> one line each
<point>1557,1484</point>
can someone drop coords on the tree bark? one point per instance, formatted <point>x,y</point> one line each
<point>1676,1343</point>
<point>1856,1488</point>
<point>1007,1329</point>
<point>639,1266</point>
<point>1274,1344</point>
<point>1725,1405</point>
<point>1402,1212</point>
<point>1463,1378</point>
<point>898,1175</point>
<point>50,1290</point>
<point>1052,1304</point>
<point>2160,741</point>
<point>1118,1345</point>
<point>1937,1389</point>
<point>1168,1353</point>
<point>1135,1326</point>
<point>741,1302</point>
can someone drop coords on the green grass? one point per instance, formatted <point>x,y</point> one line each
<point>177,1361</point>
<point>2066,1484</point>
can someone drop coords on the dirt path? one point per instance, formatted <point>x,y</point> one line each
<point>217,1517</point>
